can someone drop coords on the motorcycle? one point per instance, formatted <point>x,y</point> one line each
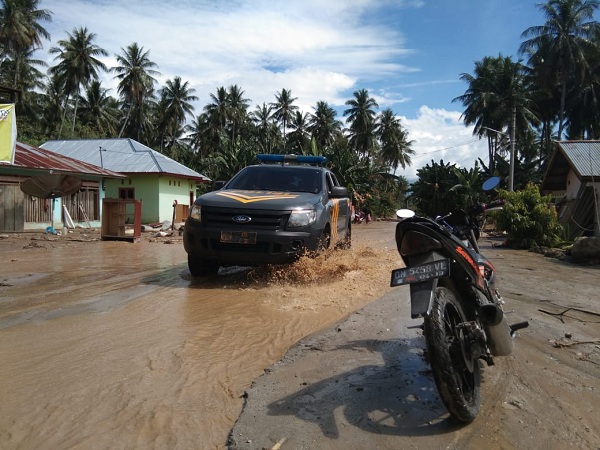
<point>452,287</point>
<point>359,217</point>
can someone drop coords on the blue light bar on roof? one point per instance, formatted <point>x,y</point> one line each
<point>292,158</point>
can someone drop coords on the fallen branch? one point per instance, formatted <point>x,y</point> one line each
<point>562,314</point>
<point>561,344</point>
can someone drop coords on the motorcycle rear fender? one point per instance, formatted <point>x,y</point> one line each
<point>451,246</point>
<point>421,294</point>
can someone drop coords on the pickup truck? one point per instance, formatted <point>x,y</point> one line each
<point>269,213</point>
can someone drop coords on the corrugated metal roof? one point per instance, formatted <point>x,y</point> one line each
<point>583,157</point>
<point>122,155</point>
<point>34,158</point>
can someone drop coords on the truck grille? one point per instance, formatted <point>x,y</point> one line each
<point>262,219</point>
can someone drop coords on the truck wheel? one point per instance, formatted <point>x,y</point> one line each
<point>324,241</point>
<point>200,267</point>
<point>346,242</point>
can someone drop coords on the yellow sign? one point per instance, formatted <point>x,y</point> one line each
<point>8,133</point>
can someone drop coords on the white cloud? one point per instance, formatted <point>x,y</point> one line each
<point>318,49</point>
<point>439,135</point>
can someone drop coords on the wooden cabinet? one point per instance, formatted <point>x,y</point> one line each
<point>121,219</point>
<point>181,212</point>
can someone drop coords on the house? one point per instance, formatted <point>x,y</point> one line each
<point>21,212</point>
<point>573,179</point>
<point>165,187</point>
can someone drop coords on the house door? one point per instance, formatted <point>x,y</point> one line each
<point>12,211</point>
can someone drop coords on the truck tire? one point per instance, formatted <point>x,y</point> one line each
<point>200,267</point>
<point>324,241</point>
<point>346,242</point>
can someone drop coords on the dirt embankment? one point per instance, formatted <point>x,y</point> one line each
<point>365,383</point>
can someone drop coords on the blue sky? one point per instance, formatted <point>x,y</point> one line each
<point>408,54</point>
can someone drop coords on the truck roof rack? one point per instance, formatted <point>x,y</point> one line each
<point>299,159</point>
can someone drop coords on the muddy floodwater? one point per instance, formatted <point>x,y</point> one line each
<point>108,344</point>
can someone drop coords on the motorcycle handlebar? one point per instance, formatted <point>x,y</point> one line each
<point>481,208</point>
<point>495,204</point>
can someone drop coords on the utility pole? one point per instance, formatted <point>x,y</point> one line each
<point>511,175</point>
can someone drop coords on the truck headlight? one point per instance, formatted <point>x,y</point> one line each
<point>196,212</point>
<point>302,218</point>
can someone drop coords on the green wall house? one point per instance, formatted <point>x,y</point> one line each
<point>165,187</point>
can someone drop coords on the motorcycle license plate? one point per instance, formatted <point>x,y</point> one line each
<point>238,237</point>
<point>424,272</point>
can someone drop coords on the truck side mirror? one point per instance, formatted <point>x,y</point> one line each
<point>218,185</point>
<point>339,192</point>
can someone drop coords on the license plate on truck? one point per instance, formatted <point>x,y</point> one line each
<point>238,237</point>
<point>424,272</point>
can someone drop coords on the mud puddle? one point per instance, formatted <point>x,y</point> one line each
<point>114,345</point>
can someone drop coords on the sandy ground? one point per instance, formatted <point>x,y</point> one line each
<point>113,345</point>
<point>364,383</point>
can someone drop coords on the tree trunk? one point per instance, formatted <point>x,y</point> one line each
<point>513,126</point>
<point>563,96</point>
<point>125,122</point>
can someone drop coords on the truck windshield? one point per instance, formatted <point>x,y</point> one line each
<point>277,178</point>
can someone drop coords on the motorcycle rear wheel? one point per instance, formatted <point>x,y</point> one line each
<point>455,371</point>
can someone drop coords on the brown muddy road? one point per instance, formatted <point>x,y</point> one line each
<point>113,345</point>
<point>107,344</point>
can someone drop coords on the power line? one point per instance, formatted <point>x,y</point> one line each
<point>446,148</point>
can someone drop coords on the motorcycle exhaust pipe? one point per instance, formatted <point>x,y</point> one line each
<point>497,330</point>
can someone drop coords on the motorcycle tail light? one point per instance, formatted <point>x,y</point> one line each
<point>416,243</point>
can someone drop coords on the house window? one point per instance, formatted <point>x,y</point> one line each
<point>127,193</point>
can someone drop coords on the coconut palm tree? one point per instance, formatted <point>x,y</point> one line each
<point>21,30</point>
<point>197,136</point>
<point>323,125</point>
<point>135,73</point>
<point>582,108</point>
<point>266,131</point>
<point>284,109</point>
<point>51,101</point>
<point>237,110</point>
<point>30,80</point>
<point>218,113</point>
<point>78,64</point>
<point>361,119</point>
<point>179,97</point>
<point>567,36</point>
<point>498,97</point>
<point>395,147</point>
<point>299,137</point>
<point>176,97</point>
<point>100,110</point>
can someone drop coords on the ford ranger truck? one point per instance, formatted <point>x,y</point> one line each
<point>269,213</point>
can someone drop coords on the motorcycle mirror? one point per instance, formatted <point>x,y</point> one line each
<point>404,214</point>
<point>491,183</point>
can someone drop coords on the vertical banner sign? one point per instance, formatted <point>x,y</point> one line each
<point>8,133</point>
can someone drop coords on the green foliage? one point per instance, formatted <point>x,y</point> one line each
<point>469,187</point>
<point>528,218</point>
<point>432,193</point>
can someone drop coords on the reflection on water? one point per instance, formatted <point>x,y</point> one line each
<point>114,345</point>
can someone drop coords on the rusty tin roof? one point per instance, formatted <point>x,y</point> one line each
<point>39,159</point>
